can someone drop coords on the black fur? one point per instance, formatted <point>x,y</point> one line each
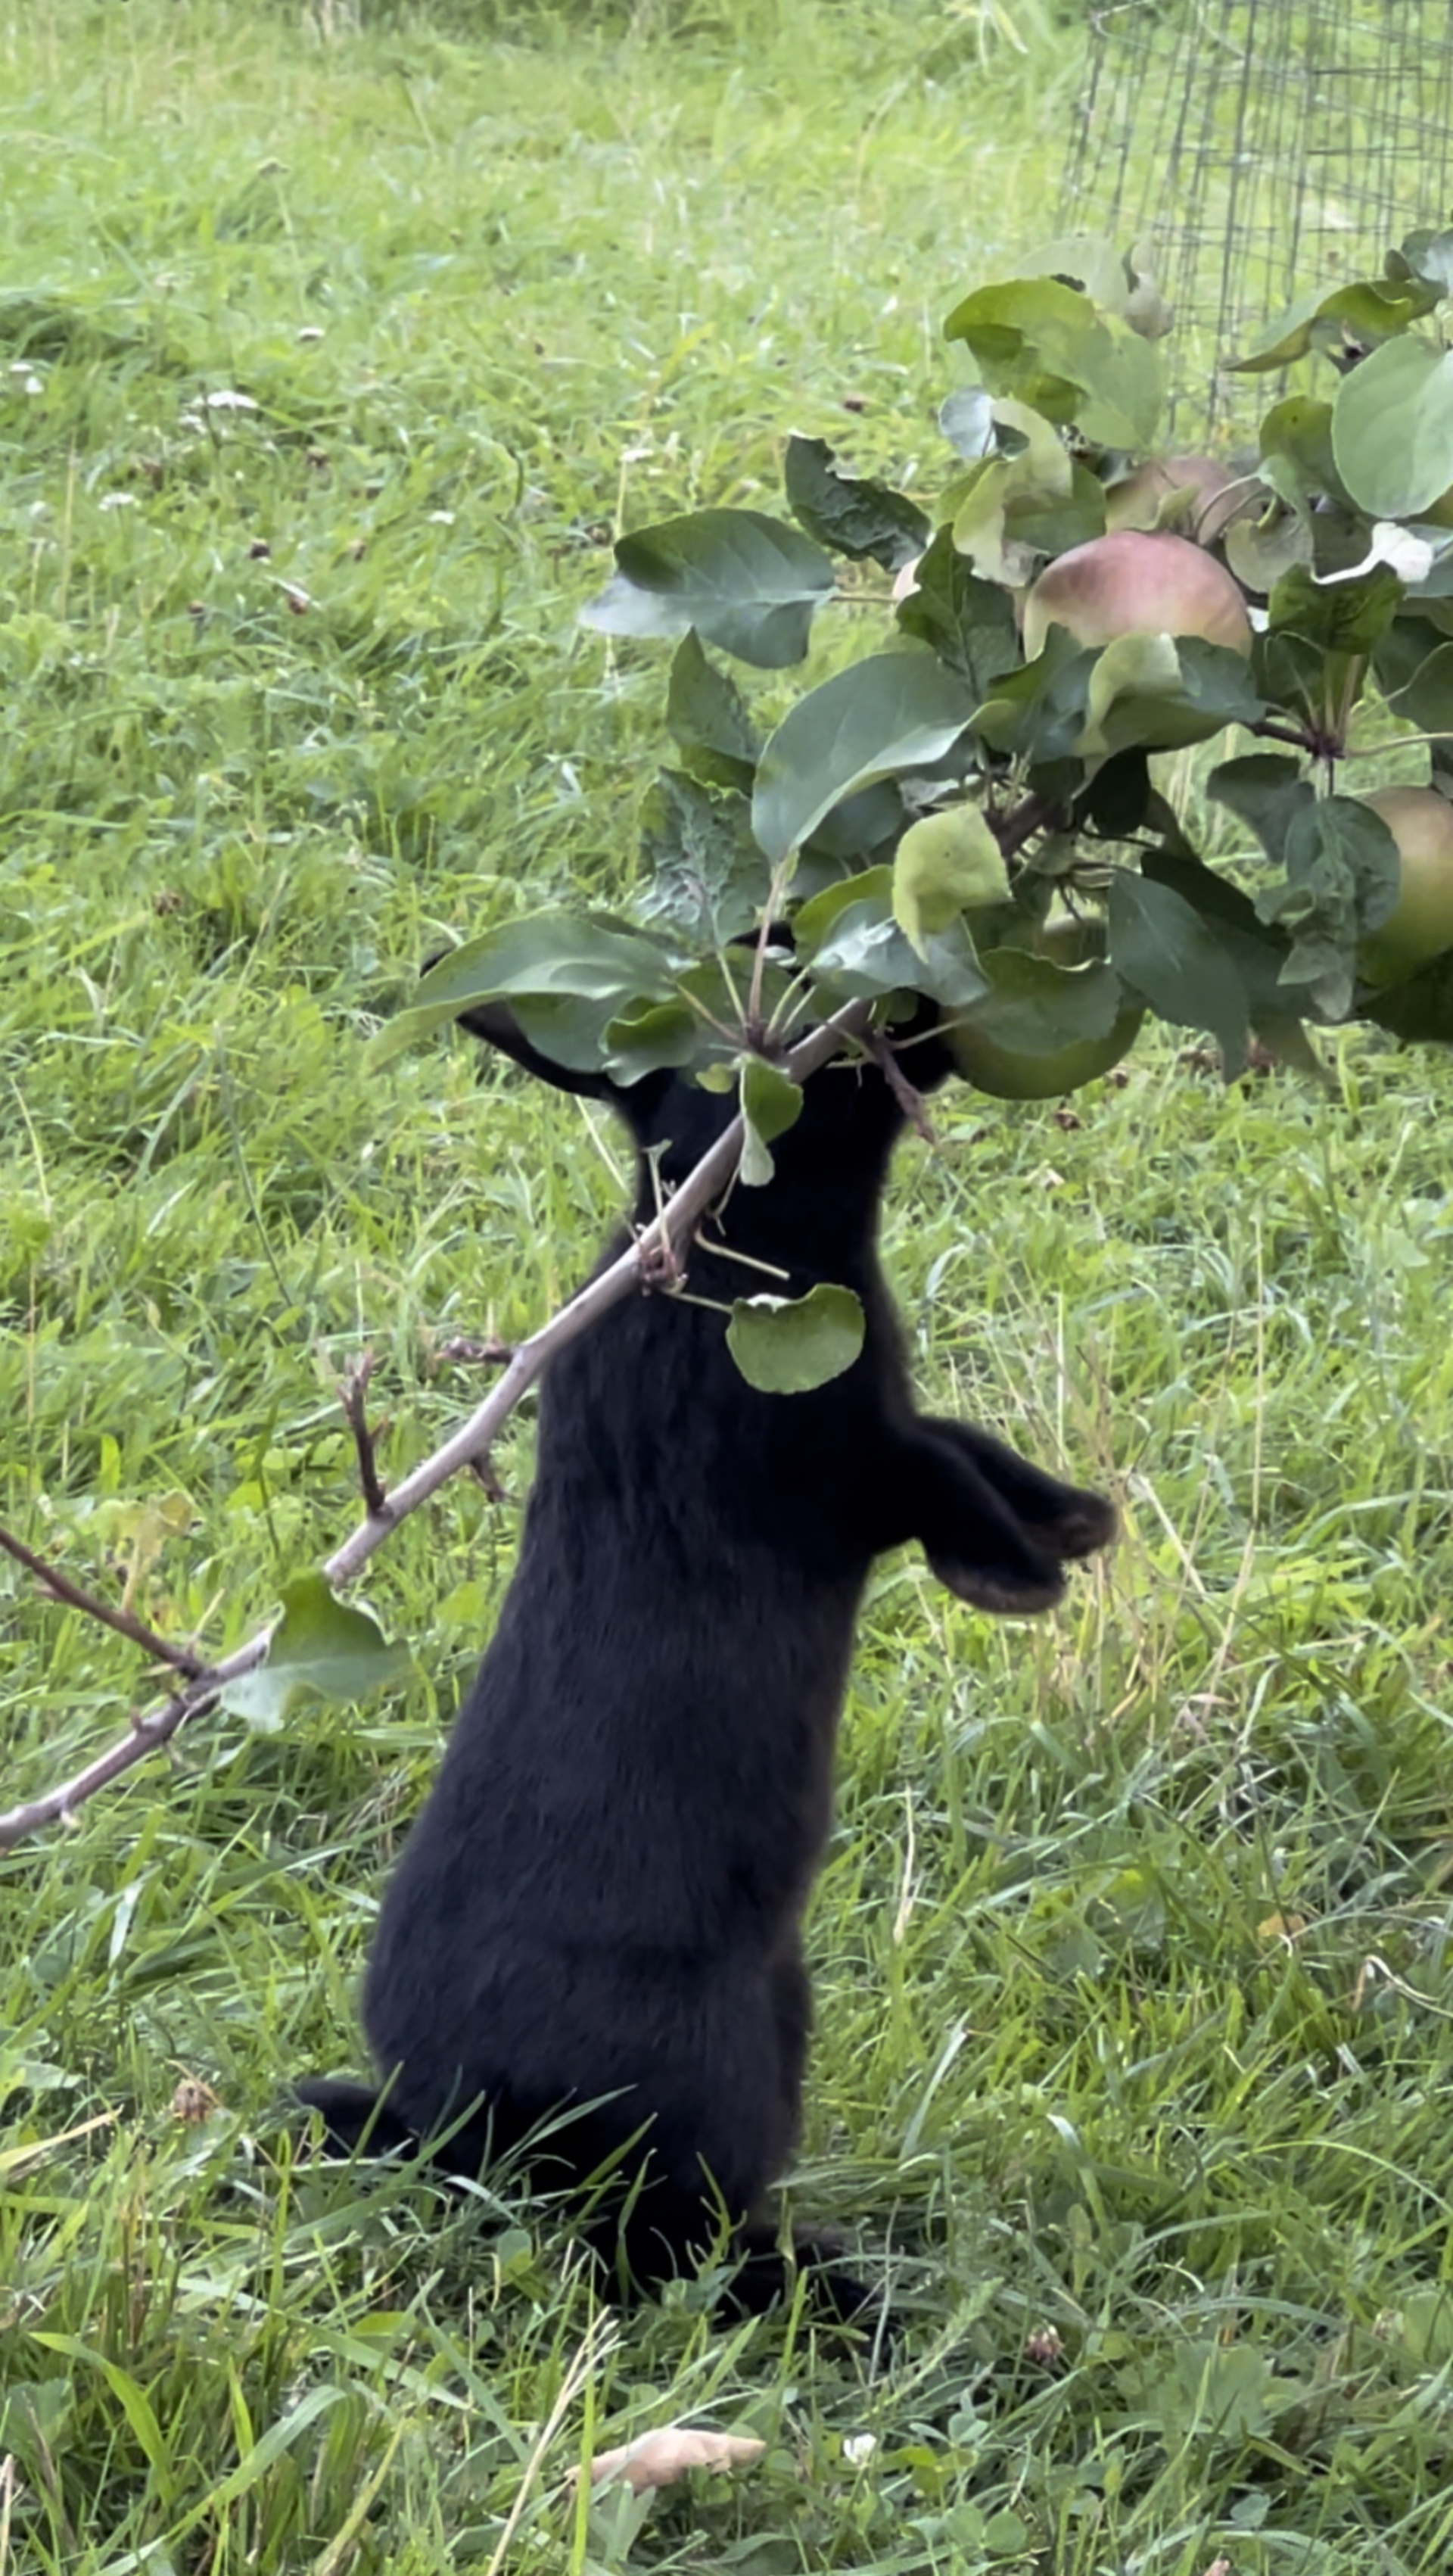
<point>600,1904</point>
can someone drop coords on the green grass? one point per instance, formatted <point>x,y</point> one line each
<point>1135,1997</point>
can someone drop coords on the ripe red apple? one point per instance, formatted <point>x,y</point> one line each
<point>1420,924</point>
<point>1132,583</point>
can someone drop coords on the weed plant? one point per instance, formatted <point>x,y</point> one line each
<point>327,369</point>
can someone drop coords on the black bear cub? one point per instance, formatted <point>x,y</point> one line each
<point>601,1902</point>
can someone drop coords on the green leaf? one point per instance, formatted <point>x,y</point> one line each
<point>814,920</point>
<point>1028,337</point>
<point>1168,953</point>
<point>1258,551</point>
<point>866,955</point>
<point>1366,311</point>
<point>554,959</point>
<point>1392,429</point>
<point>1425,254</point>
<point>947,863</point>
<point>1338,616</point>
<point>1343,875</point>
<point>854,516</point>
<point>771,1103</point>
<point>1258,952</point>
<point>1052,527</point>
<point>1266,790</point>
<point>969,622</point>
<point>1339,837</point>
<point>321,1648</point>
<point>1038,712</point>
<point>1298,433</point>
<point>651,1035</point>
<point>771,1100</point>
<point>1041,343</point>
<point>1159,694</point>
<point>788,1345</point>
<point>856,828</point>
<point>1031,472</point>
<point>707,878</point>
<point>747,583</point>
<point>1088,261</point>
<point>708,720</point>
<point>1034,1007</point>
<point>1414,668</point>
<point>892,712</point>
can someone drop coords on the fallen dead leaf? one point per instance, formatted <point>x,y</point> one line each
<point>658,2459</point>
<point>194,2101</point>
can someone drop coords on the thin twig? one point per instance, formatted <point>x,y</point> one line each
<point>911,1102</point>
<point>61,1588</point>
<point>353,1396</point>
<point>671,1231</point>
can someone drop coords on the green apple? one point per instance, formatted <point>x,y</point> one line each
<point>1420,924</point>
<point>1007,1076</point>
<point>1134,583</point>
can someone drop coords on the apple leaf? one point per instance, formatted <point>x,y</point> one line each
<point>1392,429</point>
<point>1369,310</point>
<point>1342,878</point>
<point>855,516</point>
<point>947,864</point>
<point>788,1345</point>
<point>891,712</point>
<point>969,622</point>
<point>1347,615</point>
<point>565,975</point>
<point>321,1648</point>
<point>1038,712</point>
<point>771,1103</point>
<point>708,720</point>
<point>1034,1007</point>
<point>747,583</point>
<point>1166,951</point>
<point>707,880</point>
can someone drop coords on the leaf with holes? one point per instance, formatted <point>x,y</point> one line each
<point>854,515</point>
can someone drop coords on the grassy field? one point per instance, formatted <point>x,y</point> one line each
<point>326,371</point>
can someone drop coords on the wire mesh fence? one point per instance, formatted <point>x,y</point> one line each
<point>1258,148</point>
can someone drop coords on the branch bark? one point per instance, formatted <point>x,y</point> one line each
<point>76,1597</point>
<point>669,1234</point>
